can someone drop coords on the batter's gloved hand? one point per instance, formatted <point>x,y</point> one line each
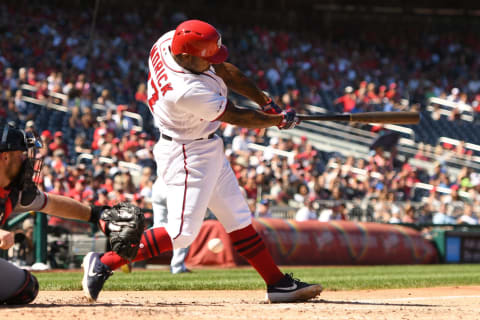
<point>290,119</point>
<point>271,107</point>
<point>124,224</point>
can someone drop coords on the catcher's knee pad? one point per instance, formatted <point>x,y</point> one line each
<point>27,292</point>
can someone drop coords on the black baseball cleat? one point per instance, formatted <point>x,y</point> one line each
<point>289,289</point>
<point>95,273</point>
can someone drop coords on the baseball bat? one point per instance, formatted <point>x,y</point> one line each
<point>367,117</point>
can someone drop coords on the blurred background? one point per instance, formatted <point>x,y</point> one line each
<point>75,72</point>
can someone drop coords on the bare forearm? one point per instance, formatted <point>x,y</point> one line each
<point>255,119</point>
<point>65,207</point>
<point>239,83</point>
<point>249,118</point>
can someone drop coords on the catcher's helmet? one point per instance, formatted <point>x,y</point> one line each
<point>200,39</point>
<point>12,139</point>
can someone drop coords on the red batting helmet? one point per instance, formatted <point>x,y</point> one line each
<point>200,39</point>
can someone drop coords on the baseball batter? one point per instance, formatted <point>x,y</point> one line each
<point>19,193</point>
<point>187,89</point>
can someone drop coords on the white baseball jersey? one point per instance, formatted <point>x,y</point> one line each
<point>196,173</point>
<point>185,105</point>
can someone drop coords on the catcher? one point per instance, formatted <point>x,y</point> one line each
<point>19,170</point>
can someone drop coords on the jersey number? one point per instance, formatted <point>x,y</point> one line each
<point>154,97</point>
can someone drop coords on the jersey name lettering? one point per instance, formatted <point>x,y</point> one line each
<point>158,67</point>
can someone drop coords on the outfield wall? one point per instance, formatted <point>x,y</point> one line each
<point>321,243</point>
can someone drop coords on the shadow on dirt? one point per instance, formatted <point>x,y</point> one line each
<point>106,305</point>
<point>363,303</point>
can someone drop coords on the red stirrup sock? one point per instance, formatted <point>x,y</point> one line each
<point>153,242</point>
<point>250,245</point>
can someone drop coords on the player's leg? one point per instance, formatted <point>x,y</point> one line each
<point>188,185</point>
<point>232,211</point>
<point>18,286</point>
<point>177,265</point>
<point>160,219</point>
<point>190,179</point>
<point>159,203</point>
<point>98,267</point>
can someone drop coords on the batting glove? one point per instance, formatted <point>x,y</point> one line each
<point>271,107</point>
<point>289,121</point>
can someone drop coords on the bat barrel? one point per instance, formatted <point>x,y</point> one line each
<point>386,117</point>
<point>367,117</point>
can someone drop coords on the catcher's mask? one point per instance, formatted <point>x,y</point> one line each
<point>14,139</point>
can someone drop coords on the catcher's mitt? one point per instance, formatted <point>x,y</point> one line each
<point>124,225</point>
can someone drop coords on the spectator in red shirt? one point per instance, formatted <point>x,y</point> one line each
<point>371,95</point>
<point>381,92</point>
<point>476,103</point>
<point>58,187</point>
<point>421,152</point>
<point>58,143</point>
<point>31,78</point>
<point>361,91</point>
<point>391,93</point>
<point>42,90</point>
<point>77,192</point>
<point>132,142</point>
<point>46,137</point>
<point>58,162</point>
<point>308,153</point>
<point>348,101</point>
<point>251,186</point>
<point>102,199</point>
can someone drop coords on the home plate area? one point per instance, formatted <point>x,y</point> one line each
<point>425,303</point>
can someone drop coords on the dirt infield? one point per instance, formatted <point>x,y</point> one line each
<point>434,303</point>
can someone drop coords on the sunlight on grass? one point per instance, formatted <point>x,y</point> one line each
<point>332,278</point>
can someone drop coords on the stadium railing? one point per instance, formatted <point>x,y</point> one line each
<point>87,158</point>
<point>464,108</point>
<point>64,98</point>
<point>132,115</point>
<point>467,145</point>
<point>467,112</point>
<point>45,103</point>
<point>448,113</point>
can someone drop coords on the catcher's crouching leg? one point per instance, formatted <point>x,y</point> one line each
<point>27,292</point>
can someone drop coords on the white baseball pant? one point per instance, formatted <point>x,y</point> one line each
<point>198,176</point>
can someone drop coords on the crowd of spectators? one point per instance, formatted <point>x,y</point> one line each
<point>58,52</point>
<point>52,52</point>
<point>332,186</point>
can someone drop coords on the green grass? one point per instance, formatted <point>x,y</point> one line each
<point>332,278</point>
